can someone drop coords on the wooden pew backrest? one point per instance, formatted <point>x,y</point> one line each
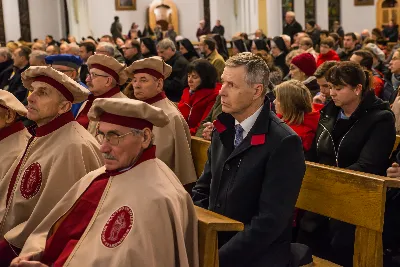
<point>353,197</point>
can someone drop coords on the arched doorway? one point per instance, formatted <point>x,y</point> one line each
<point>163,12</point>
<point>387,10</point>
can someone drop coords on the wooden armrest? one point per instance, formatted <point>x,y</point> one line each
<point>217,222</point>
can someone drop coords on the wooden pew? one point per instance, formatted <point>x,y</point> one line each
<point>396,143</point>
<point>210,224</point>
<point>353,197</point>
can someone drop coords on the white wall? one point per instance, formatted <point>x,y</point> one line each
<point>11,20</point>
<point>357,18</point>
<point>46,18</point>
<point>102,14</point>
<point>274,18</point>
<point>322,14</point>
<point>224,11</point>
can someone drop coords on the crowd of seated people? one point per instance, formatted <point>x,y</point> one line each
<point>266,103</point>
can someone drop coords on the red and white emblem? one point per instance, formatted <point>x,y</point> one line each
<point>117,227</point>
<point>31,181</point>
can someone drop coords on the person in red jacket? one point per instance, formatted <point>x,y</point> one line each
<point>326,52</point>
<point>293,105</point>
<point>198,99</point>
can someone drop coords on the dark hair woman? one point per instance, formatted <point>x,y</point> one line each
<point>198,99</point>
<point>187,49</point>
<point>356,131</point>
<point>279,52</point>
<point>148,47</point>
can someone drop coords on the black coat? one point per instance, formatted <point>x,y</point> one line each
<point>83,73</point>
<point>361,143</point>
<point>280,62</point>
<point>258,184</point>
<point>6,69</point>
<point>16,87</point>
<point>292,29</point>
<point>177,81</point>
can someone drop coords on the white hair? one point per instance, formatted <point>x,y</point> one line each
<point>291,14</point>
<point>108,47</point>
<point>286,38</point>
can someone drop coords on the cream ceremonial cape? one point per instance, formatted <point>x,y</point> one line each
<point>61,153</point>
<point>173,143</point>
<point>11,146</point>
<point>93,124</point>
<point>162,229</point>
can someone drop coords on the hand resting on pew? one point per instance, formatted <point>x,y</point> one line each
<point>394,171</point>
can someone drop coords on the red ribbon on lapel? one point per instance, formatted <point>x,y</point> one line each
<point>258,139</point>
<point>219,126</point>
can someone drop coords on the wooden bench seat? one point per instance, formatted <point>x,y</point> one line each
<point>349,196</point>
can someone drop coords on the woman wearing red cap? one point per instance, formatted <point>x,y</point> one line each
<point>302,68</point>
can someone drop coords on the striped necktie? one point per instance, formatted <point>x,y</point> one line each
<point>238,134</point>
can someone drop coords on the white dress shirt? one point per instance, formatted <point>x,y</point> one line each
<point>248,123</point>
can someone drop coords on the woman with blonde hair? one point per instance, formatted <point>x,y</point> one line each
<point>294,106</point>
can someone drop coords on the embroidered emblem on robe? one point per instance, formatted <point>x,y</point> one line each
<point>31,181</point>
<point>117,227</point>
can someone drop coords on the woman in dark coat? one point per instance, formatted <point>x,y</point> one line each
<point>187,49</point>
<point>238,46</point>
<point>148,47</point>
<point>221,46</point>
<point>279,51</point>
<point>356,131</point>
<point>259,46</point>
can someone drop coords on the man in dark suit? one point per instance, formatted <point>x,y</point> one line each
<point>254,169</point>
<point>291,26</point>
<point>21,63</point>
<point>177,81</point>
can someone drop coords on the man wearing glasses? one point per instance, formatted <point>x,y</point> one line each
<point>105,76</point>
<point>132,51</point>
<point>59,153</point>
<point>131,212</point>
<point>390,90</point>
<point>69,65</point>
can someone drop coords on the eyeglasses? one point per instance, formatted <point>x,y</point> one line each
<point>112,138</point>
<point>92,76</point>
<point>126,48</point>
<point>395,58</point>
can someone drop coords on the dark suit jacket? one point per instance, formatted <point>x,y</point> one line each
<point>16,87</point>
<point>258,184</point>
<point>177,81</point>
<point>6,69</point>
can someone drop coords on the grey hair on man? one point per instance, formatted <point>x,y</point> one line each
<point>37,58</point>
<point>107,47</point>
<point>166,43</point>
<point>5,52</point>
<point>257,71</point>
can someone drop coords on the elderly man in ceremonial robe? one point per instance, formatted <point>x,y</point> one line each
<point>13,135</point>
<point>131,212</point>
<point>58,154</point>
<point>105,76</point>
<point>172,141</point>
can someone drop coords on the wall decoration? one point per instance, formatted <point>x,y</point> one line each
<point>363,2</point>
<point>125,4</point>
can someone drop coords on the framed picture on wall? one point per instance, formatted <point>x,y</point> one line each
<point>125,4</point>
<point>363,2</point>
